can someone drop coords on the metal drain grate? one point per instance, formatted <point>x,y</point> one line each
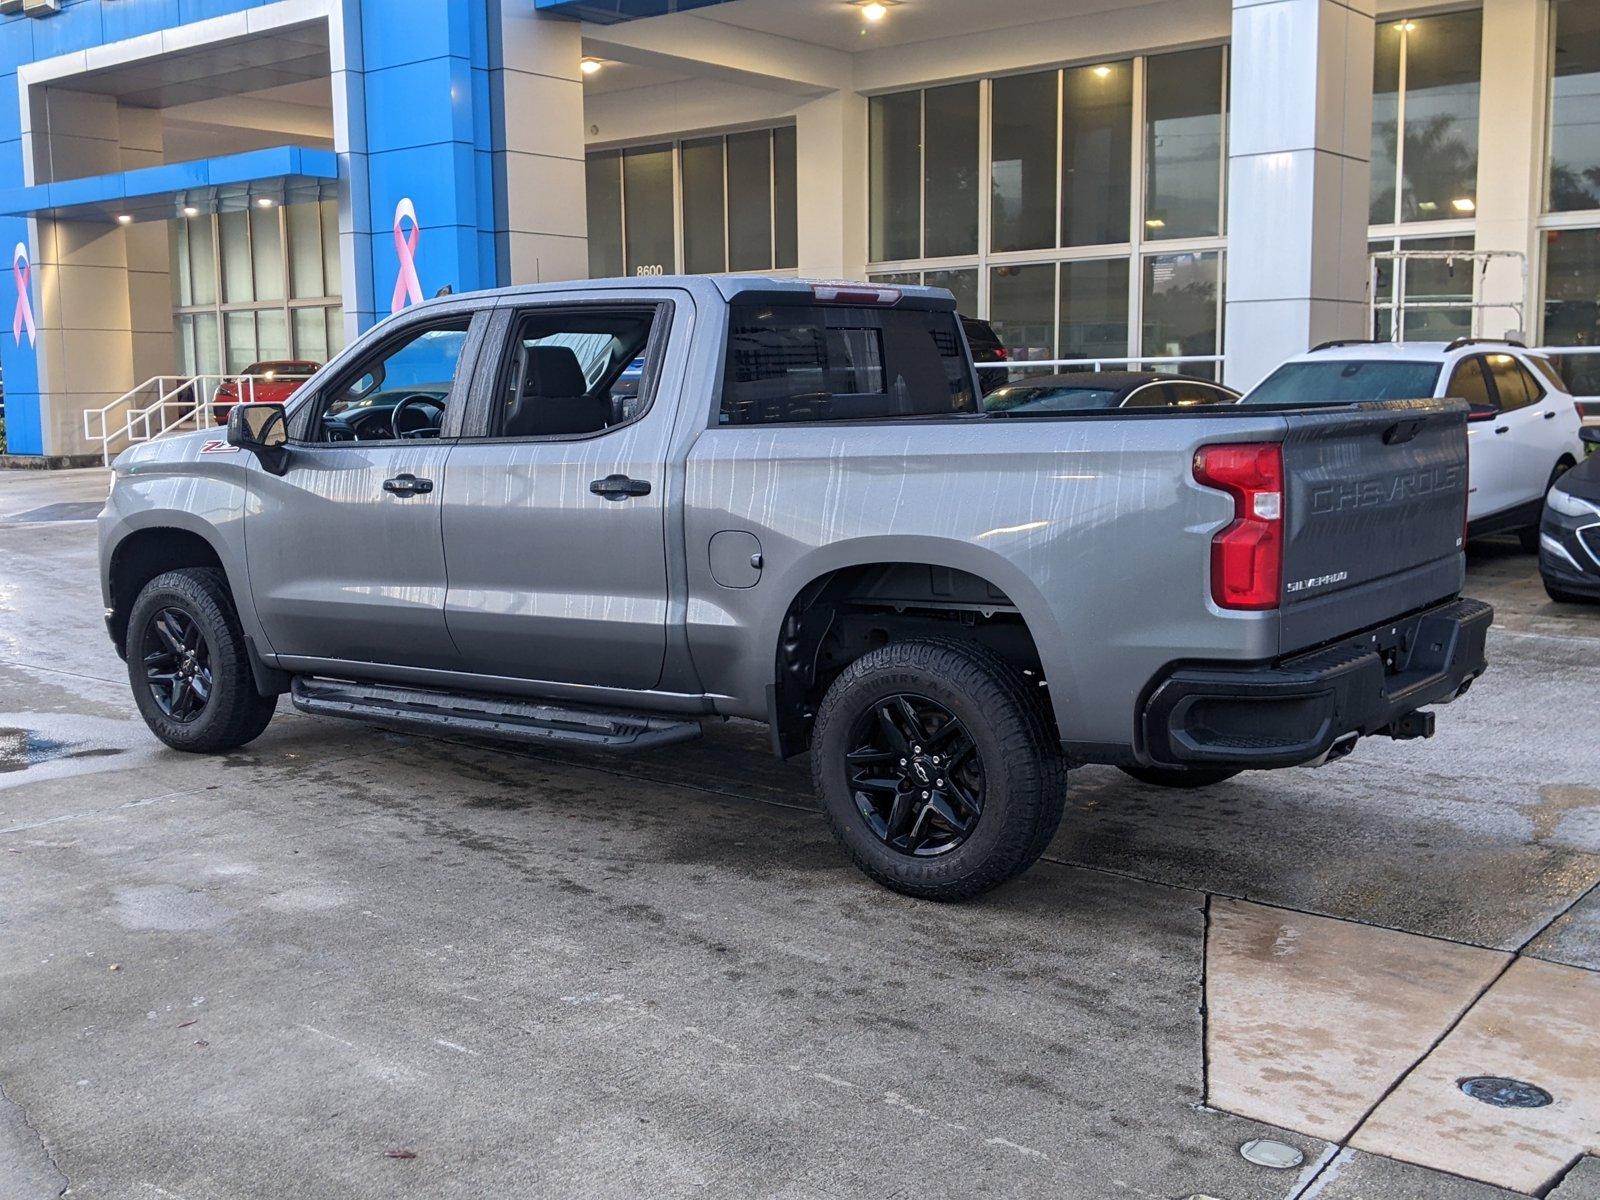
<point>80,510</point>
<point>1505,1093</point>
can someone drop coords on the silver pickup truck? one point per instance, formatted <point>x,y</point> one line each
<point>596,514</point>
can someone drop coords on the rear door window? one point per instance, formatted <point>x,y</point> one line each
<point>1516,387</point>
<point>838,363</point>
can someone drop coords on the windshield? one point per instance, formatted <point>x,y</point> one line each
<point>1021,397</point>
<point>1342,381</point>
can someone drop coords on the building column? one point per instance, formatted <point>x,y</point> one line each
<point>831,165</point>
<point>1299,141</point>
<point>1511,120</point>
<point>536,86</point>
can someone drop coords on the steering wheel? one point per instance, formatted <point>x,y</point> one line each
<point>417,400</point>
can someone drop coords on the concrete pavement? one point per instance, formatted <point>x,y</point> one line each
<point>348,962</point>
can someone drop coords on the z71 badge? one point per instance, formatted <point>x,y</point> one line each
<point>218,446</point>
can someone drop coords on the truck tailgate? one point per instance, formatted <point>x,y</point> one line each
<point>1374,515</point>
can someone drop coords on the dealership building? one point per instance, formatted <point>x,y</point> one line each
<point>191,187</point>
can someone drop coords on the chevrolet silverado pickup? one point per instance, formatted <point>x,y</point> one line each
<point>597,514</point>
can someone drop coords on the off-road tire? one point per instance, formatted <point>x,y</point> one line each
<point>235,713</point>
<point>1009,725</point>
<point>1180,777</point>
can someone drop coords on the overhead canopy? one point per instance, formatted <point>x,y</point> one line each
<point>280,174</point>
<point>609,12</point>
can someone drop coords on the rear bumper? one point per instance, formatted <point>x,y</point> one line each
<point>1298,710</point>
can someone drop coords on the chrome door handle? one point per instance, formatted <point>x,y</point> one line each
<point>407,485</point>
<point>620,487</point>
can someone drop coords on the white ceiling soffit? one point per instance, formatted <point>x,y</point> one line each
<point>254,63</point>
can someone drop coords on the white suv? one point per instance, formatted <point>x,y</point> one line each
<point>1522,432</point>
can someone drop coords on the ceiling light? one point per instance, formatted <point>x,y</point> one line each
<point>124,219</point>
<point>873,11</point>
<point>1155,223</point>
<point>1464,204</point>
<point>190,210</point>
<point>589,65</point>
<point>263,201</point>
<point>1102,72</point>
<point>1427,205</point>
<point>1406,26</point>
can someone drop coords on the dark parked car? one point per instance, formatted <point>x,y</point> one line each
<point>275,382</point>
<point>1569,533</point>
<point>1105,389</point>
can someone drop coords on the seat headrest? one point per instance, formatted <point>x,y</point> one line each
<point>552,371</point>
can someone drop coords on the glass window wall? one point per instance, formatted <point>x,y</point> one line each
<point>729,199</point>
<point>1101,230</point>
<point>1574,167</point>
<point>1425,118</point>
<point>277,273</point>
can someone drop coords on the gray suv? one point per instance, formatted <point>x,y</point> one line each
<point>596,514</point>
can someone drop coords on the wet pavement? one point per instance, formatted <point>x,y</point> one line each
<point>347,962</point>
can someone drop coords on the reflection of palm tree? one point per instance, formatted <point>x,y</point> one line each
<point>1440,164</point>
<point>1571,189</point>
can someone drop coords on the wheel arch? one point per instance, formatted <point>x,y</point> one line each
<point>861,594</point>
<point>145,552</point>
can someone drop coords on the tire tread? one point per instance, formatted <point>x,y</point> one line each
<point>1022,724</point>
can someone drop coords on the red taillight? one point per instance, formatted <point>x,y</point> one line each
<point>1247,556</point>
<point>829,291</point>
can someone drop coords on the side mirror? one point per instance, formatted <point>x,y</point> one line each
<point>262,430</point>
<point>1482,412</point>
<point>1589,434</point>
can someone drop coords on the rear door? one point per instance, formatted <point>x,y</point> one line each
<point>555,517</point>
<point>1531,424</point>
<point>1372,515</point>
<point>1492,476</point>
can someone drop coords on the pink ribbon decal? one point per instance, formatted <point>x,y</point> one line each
<point>21,271</point>
<point>407,287</point>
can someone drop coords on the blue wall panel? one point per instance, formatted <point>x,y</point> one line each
<point>424,132</point>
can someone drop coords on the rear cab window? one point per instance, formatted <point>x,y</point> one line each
<point>819,362</point>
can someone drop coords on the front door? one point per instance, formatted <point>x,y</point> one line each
<point>555,519</point>
<point>344,549</point>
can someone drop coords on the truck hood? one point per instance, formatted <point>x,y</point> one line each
<point>174,448</point>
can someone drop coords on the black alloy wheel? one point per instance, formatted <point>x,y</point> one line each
<point>177,664</point>
<point>916,775</point>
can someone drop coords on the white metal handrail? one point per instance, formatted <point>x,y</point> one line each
<point>1399,302</point>
<point>181,401</point>
<point>1098,364</point>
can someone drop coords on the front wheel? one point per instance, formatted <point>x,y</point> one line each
<point>188,667</point>
<point>1180,777</point>
<point>938,768</point>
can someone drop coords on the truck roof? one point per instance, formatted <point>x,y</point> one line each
<point>732,287</point>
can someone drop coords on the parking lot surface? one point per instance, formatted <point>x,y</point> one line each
<point>347,962</point>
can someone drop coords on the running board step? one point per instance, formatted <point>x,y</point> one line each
<point>497,717</point>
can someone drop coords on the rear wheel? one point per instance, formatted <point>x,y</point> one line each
<point>188,667</point>
<point>1180,777</point>
<point>938,768</point>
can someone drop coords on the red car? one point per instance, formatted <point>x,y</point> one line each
<point>275,382</point>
